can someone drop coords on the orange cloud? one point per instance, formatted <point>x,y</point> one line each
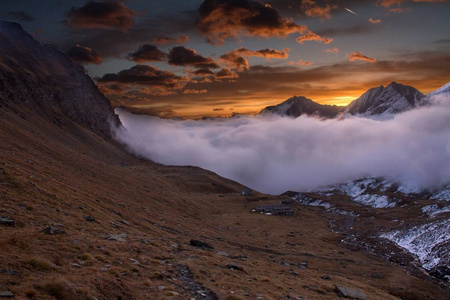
<point>235,59</point>
<point>194,91</point>
<point>164,40</point>
<point>389,3</point>
<point>182,56</point>
<point>374,21</point>
<point>311,9</point>
<point>359,56</point>
<point>311,36</point>
<point>400,10</point>
<point>220,20</point>
<point>304,63</point>
<point>101,14</point>
<point>332,50</point>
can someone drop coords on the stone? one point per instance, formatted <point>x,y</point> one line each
<point>9,272</point>
<point>52,230</point>
<point>223,253</point>
<point>125,222</point>
<point>237,267</point>
<point>6,294</point>
<point>118,237</point>
<point>6,221</point>
<point>200,244</point>
<point>326,277</point>
<point>303,264</point>
<point>89,218</point>
<point>346,292</point>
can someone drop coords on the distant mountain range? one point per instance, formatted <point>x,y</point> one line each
<point>392,99</point>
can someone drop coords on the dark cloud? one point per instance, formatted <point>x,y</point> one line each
<point>147,53</point>
<point>164,40</point>
<point>21,16</point>
<point>84,55</point>
<point>144,75</point>
<point>223,19</point>
<point>202,72</point>
<point>101,14</point>
<point>235,59</point>
<point>312,9</point>
<point>226,73</point>
<point>181,56</point>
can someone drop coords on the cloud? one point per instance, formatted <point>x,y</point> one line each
<point>400,10</point>
<point>147,53</point>
<point>389,3</point>
<point>332,50</point>
<point>203,72</point>
<point>277,154</point>
<point>164,40</point>
<point>84,55</point>
<point>226,73</point>
<point>311,9</point>
<point>101,14</point>
<point>143,75</point>
<point>359,56</point>
<point>235,59</point>
<point>193,91</point>
<point>21,16</point>
<point>336,31</point>
<point>224,19</point>
<point>374,21</point>
<point>311,36</point>
<point>303,63</point>
<point>181,56</point>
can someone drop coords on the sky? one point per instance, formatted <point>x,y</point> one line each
<point>224,57</point>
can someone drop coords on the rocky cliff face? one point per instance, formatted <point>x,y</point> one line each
<point>393,99</point>
<point>48,83</point>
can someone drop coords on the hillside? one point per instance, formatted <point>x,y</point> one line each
<point>80,218</point>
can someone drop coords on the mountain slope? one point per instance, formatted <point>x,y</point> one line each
<point>393,99</point>
<point>297,106</point>
<point>47,82</point>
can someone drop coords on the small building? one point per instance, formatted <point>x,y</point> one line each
<point>276,209</point>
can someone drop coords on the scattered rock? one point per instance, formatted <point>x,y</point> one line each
<point>2,171</point>
<point>9,272</point>
<point>125,222</point>
<point>303,265</point>
<point>89,218</point>
<point>52,230</point>
<point>347,292</point>
<point>6,221</point>
<point>325,277</point>
<point>223,253</point>
<point>237,267</point>
<point>6,294</point>
<point>377,275</point>
<point>200,244</point>
<point>118,237</point>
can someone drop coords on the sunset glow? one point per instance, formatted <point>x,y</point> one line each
<point>219,57</point>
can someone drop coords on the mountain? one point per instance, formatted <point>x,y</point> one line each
<point>393,99</point>
<point>445,89</point>
<point>297,106</point>
<point>45,81</point>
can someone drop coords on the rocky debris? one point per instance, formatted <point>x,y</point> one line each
<point>237,267</point>
<point>346,292</point>
<point>6,294</point>
<point>125,222</point>
<point>326,277</point>
<point>196,291</point>
<point>118,237</point>
<point>9,272</point>
<point>246,192</point>
<point>200,244</point>
<point>223,253</point>
<point>51,230</point>
<point>89,218</point>
<point>6,221</point>
<point>303,264</point>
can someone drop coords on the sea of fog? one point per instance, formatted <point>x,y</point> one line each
<point>274,154</point>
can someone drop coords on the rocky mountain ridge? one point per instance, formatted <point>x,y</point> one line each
<point>379,101</point>
<point>48,83</point>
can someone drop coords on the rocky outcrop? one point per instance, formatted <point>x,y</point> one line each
<point>48,83</point>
